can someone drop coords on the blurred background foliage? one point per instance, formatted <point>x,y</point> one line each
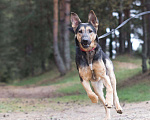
<point>26,32</point>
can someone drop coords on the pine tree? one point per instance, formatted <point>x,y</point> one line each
<point>148,30</point>
<point>58,59</point>
<point>144,46</point>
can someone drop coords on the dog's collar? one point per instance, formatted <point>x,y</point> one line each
<point>85,50</point>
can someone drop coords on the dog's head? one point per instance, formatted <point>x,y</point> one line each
<point>85,33</point>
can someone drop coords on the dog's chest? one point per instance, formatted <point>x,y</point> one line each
<point>93,71</point>
<point>89,57</point>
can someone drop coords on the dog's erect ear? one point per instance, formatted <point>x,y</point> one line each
<point>75,20</point>
<point>93,19</point>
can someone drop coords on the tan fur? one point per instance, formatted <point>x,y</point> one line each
<point>99,68</point>
<point>113,83</point>
<point>92,38</point>
<point>85,73</point>
<point>100,73</point>
<point>90,93</point>
<point>79,35</point>
<point>93,42</point>
<point>98,89</point>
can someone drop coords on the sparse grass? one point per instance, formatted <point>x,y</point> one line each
<point>53,77</point>
<point>26,105</point>
<point>15,105</point>
<point>129,58</point>
<point>135,93</point>
<point>48,78</point>
<point>123,74</point>
<point>75,90</point>
<point>72,77</point>
<point>33,80</point>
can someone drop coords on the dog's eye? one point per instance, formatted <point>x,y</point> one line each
<point>80,31</point>
<point>90,31</point>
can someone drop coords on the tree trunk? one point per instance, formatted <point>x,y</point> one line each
<point>58,59</point>
<point>61,30</point>
<point>110,47</point>
<point>67,58</point>
<point>148,29</point>
<point>43,66</point>
<point>103,44</point>
<point>121,38</point>
<point>128,31</point>
<point>144,46</point>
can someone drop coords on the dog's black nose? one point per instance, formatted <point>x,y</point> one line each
<point>85,41</point>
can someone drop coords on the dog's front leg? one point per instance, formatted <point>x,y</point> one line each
<point>85,75</point>
<point>90,93</point>
<point>109,91</point>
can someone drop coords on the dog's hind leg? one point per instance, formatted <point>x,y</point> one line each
<point>98,89</point>
<point>113,83</point>
<point>116,99</point>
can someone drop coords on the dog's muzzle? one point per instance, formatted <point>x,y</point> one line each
<point>85,42</point>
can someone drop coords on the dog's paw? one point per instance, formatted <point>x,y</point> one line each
<point>93,97</point>
<point>108,105</point>
<point>109,102</point>
<point>119,110</point>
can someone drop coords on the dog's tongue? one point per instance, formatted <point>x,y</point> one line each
<point>85,44</point>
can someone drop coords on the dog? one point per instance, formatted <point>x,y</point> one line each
<point>93,64</point>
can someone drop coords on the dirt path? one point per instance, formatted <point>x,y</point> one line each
<point>73,111</point>
<point>65,111</point>
<point>38,91</point>
<point>27,92</point>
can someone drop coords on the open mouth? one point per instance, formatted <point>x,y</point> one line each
<point>85,45</point>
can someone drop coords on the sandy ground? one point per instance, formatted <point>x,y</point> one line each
<point>73,111</point>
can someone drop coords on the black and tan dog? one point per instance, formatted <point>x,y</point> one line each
<point>93,64</point>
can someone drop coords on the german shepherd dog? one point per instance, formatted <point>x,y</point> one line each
<point>93,64</point>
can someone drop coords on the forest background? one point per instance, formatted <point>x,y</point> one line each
<point>34,34</point>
